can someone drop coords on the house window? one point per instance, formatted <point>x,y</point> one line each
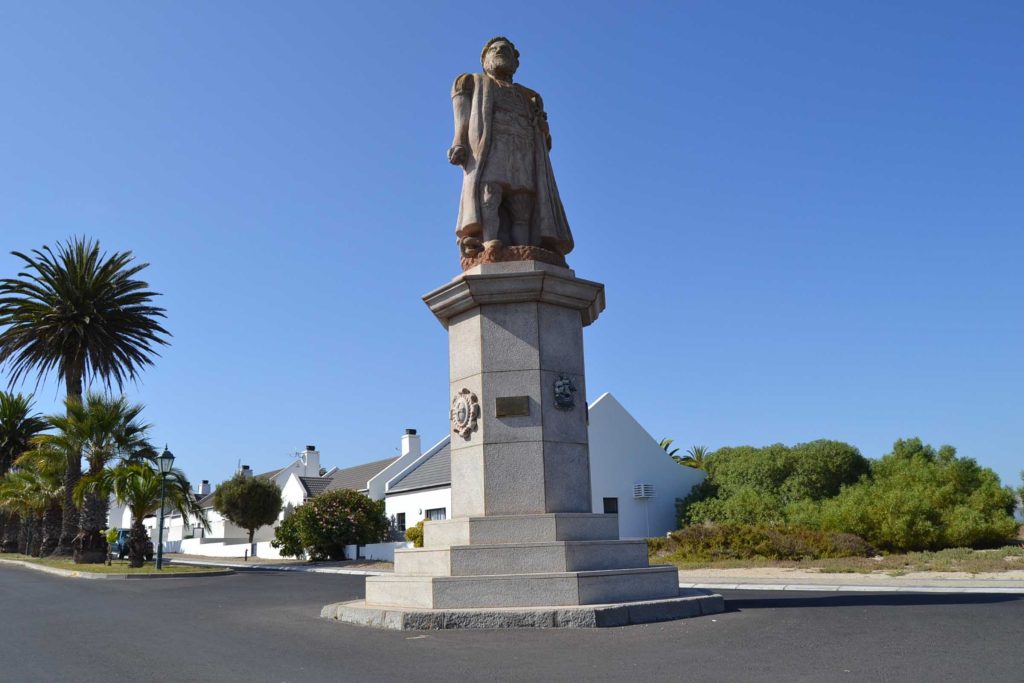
<point>437,514</point>
<point>611,506</point>
<point>400,521</point>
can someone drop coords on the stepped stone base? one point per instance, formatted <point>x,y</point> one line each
<point>523,590</point>
<point>529,528</point>
<point>521,558</point>
<point>689,603</point>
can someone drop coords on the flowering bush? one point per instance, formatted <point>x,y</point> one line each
<point>323,526</point>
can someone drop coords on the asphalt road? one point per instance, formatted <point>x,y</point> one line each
<point>265,626</point>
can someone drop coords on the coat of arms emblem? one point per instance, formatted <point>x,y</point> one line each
<point>464,414</point>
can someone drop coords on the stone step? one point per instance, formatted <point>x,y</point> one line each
<point>523,590</point>
<point>536,528</point>
<point>521,558</point>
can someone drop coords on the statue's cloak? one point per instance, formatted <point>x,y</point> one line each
<point>548,225</point>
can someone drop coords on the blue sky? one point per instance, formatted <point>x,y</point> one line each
<point>808,217</point>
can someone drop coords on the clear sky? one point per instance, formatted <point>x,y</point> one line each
<point>808,216</point>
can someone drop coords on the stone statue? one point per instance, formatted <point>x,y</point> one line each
<point>510,209</point>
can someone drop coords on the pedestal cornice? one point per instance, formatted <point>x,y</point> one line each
<point>492,284</point>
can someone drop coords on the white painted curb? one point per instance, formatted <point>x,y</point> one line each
<point>854,588</point>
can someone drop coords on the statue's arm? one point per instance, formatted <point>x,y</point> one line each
<point>542,116</point>
<point>462,101</point>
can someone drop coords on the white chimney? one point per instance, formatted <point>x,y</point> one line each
<point>204,489</point>
<point>311,462</point>
<point>246,472</point>
<point>411,443</point>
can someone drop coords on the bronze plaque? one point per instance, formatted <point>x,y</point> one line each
<point>512,406</point>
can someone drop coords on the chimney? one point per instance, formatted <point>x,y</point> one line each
<point>246,472</point>
<point>204,489</point>
<point>411,443</point>
<point>311,462</point>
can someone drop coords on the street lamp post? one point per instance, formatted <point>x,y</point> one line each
<point>165,462</point>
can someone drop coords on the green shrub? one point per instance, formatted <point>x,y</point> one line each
<point>709,542</point>
<point>915,498</point>
<point>415,534</point>
<point>750,485</point>
<point>323,526</point>
<point>922,499</point>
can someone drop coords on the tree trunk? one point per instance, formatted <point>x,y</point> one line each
<point>90,546</point>
<point>9,533</point>
<point>37,535</point>
<point>69,524</point>
<point>51,528</point>
<point>25,535</point>
<point>137,543</point>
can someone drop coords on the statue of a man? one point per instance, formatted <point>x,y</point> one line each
<point>509,196</point>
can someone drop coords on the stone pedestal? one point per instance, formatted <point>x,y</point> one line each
<point>522,534</point>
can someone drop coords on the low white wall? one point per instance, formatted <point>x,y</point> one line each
<point>376,551</point>
<point>195,546</point>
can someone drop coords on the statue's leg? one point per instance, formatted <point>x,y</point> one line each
<point>490,205</point>
<point>520,206</point>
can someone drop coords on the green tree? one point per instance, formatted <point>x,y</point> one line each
<point>248,502</point>
<point>321,528</point>
<point>759,485</point>
<point>101,430</point>
<point>44,468</point>
<point>920,498</point>
<point>18,425</point>
<point>81,314</point>
<point>137,485</point>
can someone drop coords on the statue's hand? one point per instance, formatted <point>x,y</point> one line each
<point>457,155</point>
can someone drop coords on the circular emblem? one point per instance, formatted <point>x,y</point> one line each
<point>465,411</point>
<point>565,391</point>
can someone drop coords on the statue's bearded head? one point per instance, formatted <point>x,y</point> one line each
<point>500,58</point>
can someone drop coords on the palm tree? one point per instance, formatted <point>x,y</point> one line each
<point>101,430</point>
<point>79,313</point>
<point>32,495</point>
<point>46,466</point>
<point>665,444</point>
<point>696,456</point>
<point>137,485</point>
<point>18,425</point>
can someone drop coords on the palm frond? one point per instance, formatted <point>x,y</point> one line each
<point>80,313</point>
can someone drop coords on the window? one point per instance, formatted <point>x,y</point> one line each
<point>400,521</point>
<point>611,506</point>
<point>437,514</point>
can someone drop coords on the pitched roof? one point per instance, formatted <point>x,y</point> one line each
<point>314,485</point>
<point>269,475</point>
<point>434,471</point>
<point>356,478</point>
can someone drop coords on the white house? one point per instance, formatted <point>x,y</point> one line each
<point>630,475</point>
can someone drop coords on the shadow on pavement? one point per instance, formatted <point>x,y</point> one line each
<point>868,600</point>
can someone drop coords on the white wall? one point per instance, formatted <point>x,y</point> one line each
<point>415,504</point>
<point>195,546</point>
<point>622,454</point>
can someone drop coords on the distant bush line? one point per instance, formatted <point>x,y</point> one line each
<point>914,498</point>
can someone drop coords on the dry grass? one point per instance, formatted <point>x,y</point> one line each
<point>116,566</point>
<point>949,560</point>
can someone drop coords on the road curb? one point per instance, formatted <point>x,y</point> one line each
<point>280,568</point>
<point>68,573</point>
<point>854,588</point>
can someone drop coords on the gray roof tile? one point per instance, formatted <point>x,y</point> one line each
<point>356,478</point>
<point>315,485</point>
<point>434,471</point>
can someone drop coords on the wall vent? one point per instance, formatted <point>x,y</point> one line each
<point>643,490</point>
